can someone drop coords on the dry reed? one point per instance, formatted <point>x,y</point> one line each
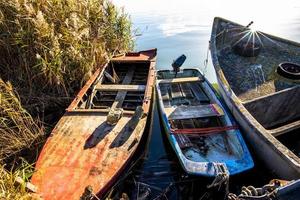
<point>18,130</point>
<point>10,189</point>
<point>48,49</point>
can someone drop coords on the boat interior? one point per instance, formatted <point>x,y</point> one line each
<point>121,85</point>
<point>182,93</point>
<point>189,106</point>
<point>272,99</point>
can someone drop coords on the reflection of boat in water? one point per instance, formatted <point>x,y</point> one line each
<point>100,132</point>
<point>266,104</point>
<point>198,127</point>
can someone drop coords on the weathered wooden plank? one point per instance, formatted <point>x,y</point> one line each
<point>183,141</point>
<point>181,80</point>
<point>277,109</point>
<point>128,88</point>
<point>98,110</point>
<point>175,91</point>
<point>165,96</point>
<point>190,112</point>
<point>122,94</point>
<point>28,186</point>
<point>85,88</point>
<point>199,93</point>
<point>125,100</point>
<point>186,90</point>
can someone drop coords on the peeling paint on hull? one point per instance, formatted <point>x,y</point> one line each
<point>67,164</point>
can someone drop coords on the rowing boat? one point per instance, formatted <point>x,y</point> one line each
<point>101,130</point>
<point>258,76</point>
<point>198,127</point>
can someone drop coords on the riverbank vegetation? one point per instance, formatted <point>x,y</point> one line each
<point>49,49</point>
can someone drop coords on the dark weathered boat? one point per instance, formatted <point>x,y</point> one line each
<point>265,101</point>
<point>276,189</point>
<point>100,131</point>
<point>204,137</point>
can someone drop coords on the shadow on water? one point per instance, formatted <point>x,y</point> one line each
<point>158,174</point>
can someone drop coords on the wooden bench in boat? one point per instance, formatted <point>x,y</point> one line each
<point>199,93</point>
<point>276,110</point>
<point>181,80</point>
<point>183,93</point>
<point>122,94</point>
<point>183,141</point>
<point>190,112</point>
<point>120,87</point>
<point>98,110</point>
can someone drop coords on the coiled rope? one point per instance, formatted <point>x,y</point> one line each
<point>267,192</point>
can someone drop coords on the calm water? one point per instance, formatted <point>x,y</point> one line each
<point>184,27</point>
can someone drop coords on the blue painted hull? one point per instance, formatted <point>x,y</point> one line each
<point>206,168</point>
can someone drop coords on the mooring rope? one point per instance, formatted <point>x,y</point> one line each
<point>267,192</point>
<point>206,60</point>
<point>222,176</point>
<point>221,179</point>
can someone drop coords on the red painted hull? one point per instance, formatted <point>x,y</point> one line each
<point>65,167</point>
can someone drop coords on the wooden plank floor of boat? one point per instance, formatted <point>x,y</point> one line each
<point>72,165</point>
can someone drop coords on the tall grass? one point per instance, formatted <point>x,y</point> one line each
<point>10,188</point>
<point>18,131</point>
<point>51,47</point>
<point>48,49</point>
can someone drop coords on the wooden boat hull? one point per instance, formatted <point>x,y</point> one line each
<point>277,157</point>
<point>204,168</point>
<point>274,154</point>
<point>83,150</point>
<point>289,191</point>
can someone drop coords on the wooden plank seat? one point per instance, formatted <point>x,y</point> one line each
<point>190,112</point>
<point>199,93</point>
<point>120,97</point>
<point>181,80</point>
<point>120,87</point>
<point>99,110</point>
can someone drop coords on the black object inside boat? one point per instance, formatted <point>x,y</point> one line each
<point>246,47</point>
<point>178,62</point>
<point>289,70</point>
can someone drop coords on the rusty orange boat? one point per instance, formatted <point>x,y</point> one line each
<point>100,131</point>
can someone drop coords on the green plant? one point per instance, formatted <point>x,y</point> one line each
<point>10,187</point>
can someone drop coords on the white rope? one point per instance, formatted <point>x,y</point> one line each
<point>206,60</point>
<point>222,177</point>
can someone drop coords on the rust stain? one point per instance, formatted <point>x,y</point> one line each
<point>65,167</point>
<point>94,171</point>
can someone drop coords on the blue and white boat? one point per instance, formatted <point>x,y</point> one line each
<point>202,133</point>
